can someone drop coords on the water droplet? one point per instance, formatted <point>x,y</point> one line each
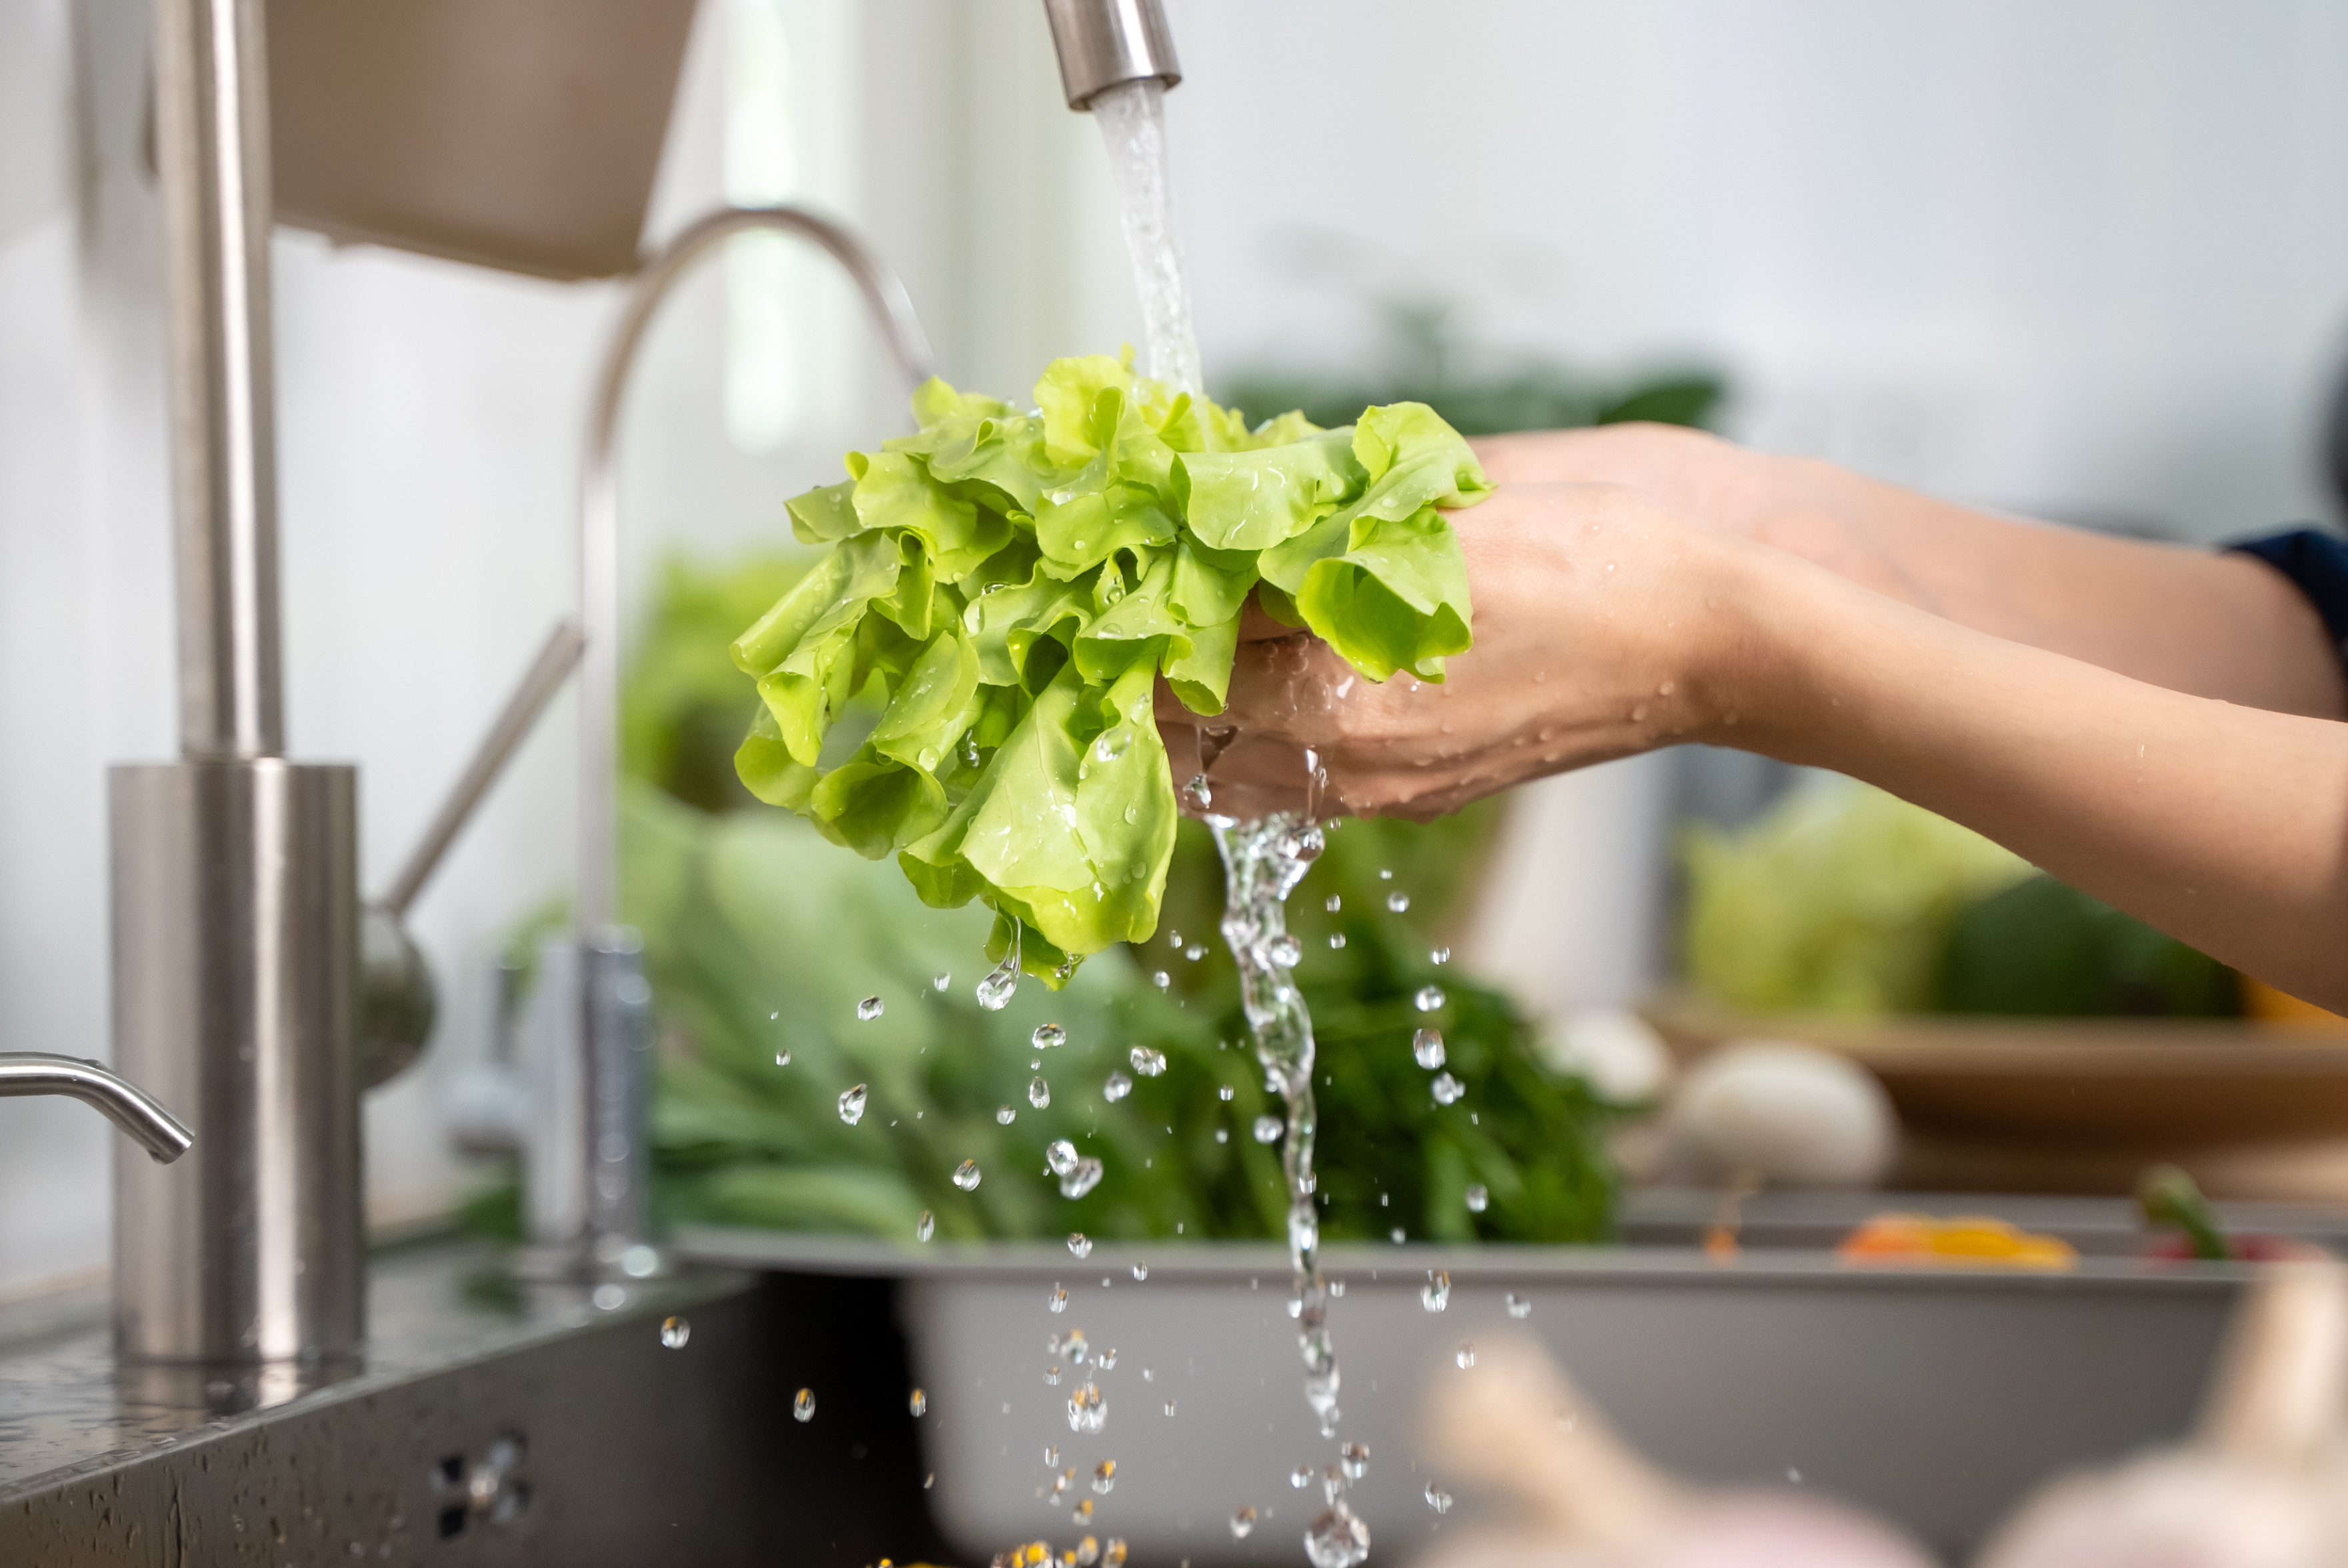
<point>926,1226</point>
<point>1478,1198</point>
<point>1518,1306</point>
<point>1196,795</point>
<point>1170,1407</point>
<point>1398,901</point>
<point>1104,1476</point>
<point>1268,1129</point>
<point>674,1332</point>
<point>1300,1476</point>
<point>1284,950</point>
<point>1337,1539</point>
<point>1222,1134</point>
<point>1051,1456</point>
<point>1161,979</point>
<point>1385,873</point>
<point>1107,1360</point>
<point>869,1009</point>
<point>1112,743</point>
<point>1195,951</point>
<point>782,1059</point>
<point>1082,1180</point>
<point>1080,1244</point>
<point>1059,1157</point>
<point>994,992</point>
<point>1438,1499</point>
<point>1464,1356</point>
<point>1052,1375</point>
<point>1792,1475</point>
<point>1428,999</point>
<point>803,1407</point>
<point>1140,1271</point>
<point>1394,1235</point>
<point>1004,1115</point>
<point>1116,1088</point>
<point>1226,1093</point>
<point>1447,1088</point>
<point>940,981</point>
<point>1113,1555</point>
<point>1039,1093</point>
<point>1242,1522</point>
<point>919,1403</point>
<point>1336,941</point>
<point>1426,1048</point>
<point>966,1176</point>
<point>1148,1062</point>
<point>1355,1458</point>
<point>851,1105</point>
<point>1048,1035</point>
<point>1333,903</point>
<point>609,1298</point>
<point>1087,1409</point>
<point>1439,955</point>
<point>1435,1294</point>
<point>1058,1300</point>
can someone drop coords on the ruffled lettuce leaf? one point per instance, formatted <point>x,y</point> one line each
<point>1006,588</point>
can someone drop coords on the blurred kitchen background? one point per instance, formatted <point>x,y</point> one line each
<point>2088,262</point>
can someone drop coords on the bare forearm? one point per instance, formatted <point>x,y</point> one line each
<point>2192,620</point>
<point>2225,826</point>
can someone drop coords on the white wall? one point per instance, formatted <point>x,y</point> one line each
<point>2089,259</point>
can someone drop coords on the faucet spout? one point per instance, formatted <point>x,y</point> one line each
<point>1103,44</point>
<point>161,1135</point>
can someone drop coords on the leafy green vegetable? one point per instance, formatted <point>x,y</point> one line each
<point>1014,584</point>
<point>2042,949</point>
<point>1838,900</point>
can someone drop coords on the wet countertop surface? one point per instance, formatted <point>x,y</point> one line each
<point>65,1407</point>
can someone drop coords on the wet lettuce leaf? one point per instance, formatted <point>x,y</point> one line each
<point>1013,585</point>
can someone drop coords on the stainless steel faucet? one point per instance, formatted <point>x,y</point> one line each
<point>1103,43</point>
<point>163,1135</point>
<point>588,1170</point>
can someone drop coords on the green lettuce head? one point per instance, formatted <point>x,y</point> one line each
<point>1016,583</point>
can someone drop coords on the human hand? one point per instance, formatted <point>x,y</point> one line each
<point>1592,641</point>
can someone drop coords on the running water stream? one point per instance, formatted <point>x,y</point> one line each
<point>1264,858</point>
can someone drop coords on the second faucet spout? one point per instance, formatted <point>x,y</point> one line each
<point>128,1106</point>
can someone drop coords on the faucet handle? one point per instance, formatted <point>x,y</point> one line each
<point>128,1106</point>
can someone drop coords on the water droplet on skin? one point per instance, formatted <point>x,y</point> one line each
<point>1398,901</point>
<point>1059,1157</point>
<point>1638,712</point>
<point>1004,1115</point>
<point>966,1176</point>
<point>1268,1129</point>
<point>1333,903</point>
<point>803,1407</point>
<point>1058,1300</point>
<point>1439,955</point>
<point>940,981</point>
<point>1518,1307</point>
<point>1435,1294</point>
<point>782,1059</point>
<point>1438,1499</point>
<point>1148,1062</point>
<point>1464,1356</point>
<point>674,1332</point>
<point>1079,1244</point>
<point>1336,941</point>
<point>1048,1035</point>
<point>1478,1198</point>
<point>1430,999</point>
<point>1039,1093</point>
<point>1242,1522</point>
<point>851,1105</point>
<point>1116,1088</point>
<point>1427,1049</point>
<point>926,1226</point>
<point>919,1403</point>
<point>1448,1089</point>
<point>869,1009</point>
<point>1140,1271</point>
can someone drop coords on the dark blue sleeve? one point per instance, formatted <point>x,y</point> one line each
<point>2317,565</point>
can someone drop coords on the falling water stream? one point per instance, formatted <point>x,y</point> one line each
<point>1264,858</point>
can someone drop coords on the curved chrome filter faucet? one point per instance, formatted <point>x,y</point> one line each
<point>587,1200</point>
<point>163,1135</point>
